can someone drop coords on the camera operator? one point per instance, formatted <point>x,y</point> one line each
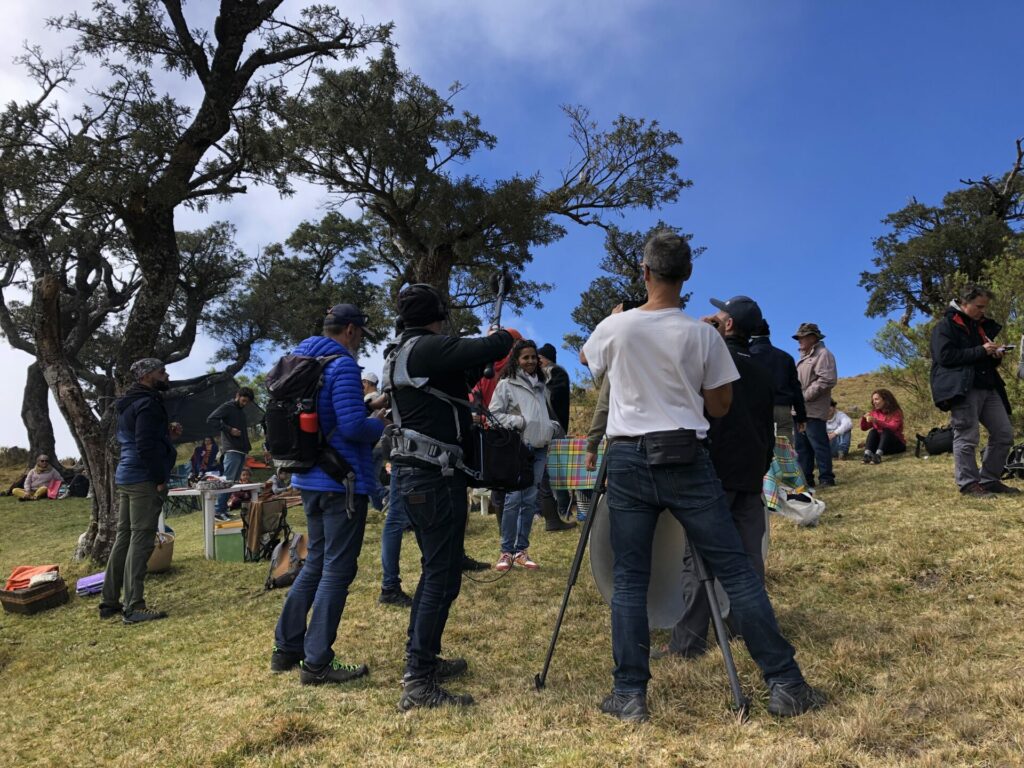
<point>664,370</point>
<point>426,369</point>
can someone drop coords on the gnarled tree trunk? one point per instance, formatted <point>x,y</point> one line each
<point>35,415</point>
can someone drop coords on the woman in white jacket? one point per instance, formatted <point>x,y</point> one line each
<point>520,402</point>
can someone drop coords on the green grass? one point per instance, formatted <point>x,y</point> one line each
<point>903,604</point>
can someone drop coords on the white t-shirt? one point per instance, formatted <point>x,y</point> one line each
<point>658,362</point>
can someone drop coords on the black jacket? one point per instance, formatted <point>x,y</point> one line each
<point>784,378</point>
<point>558,394</point>
<point>743,441</point>
<point>147,454</point>
<point>452,365</point>
<point>226,416</point>
<point>959,361</point>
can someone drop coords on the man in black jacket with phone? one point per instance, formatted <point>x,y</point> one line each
<point>432,435</point>
<point>965,381</point>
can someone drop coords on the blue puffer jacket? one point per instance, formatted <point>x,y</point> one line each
<point>341,409</point>
<point>147,454</point>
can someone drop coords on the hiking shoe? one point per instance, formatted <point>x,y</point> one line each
<point>998,486</point>
<point>394,597</point>
<point>109,612</point>
<point>221,517</point>
<point>522,559</point>
<point>469,564</point>
<point>867,457</point>
<point>977,490</point>
<point>827,483</point>
<point>504,562</point>
<point>333,672</point>
<point>792,699</point>
<point>142,614</point>
<point>558,524</point>
<point>449,668</point>
<point>284,661</point>
<point>876,458</point>
<point>631,707</point>
<point>425,692</point>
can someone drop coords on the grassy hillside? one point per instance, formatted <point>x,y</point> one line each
<point>904,605</point>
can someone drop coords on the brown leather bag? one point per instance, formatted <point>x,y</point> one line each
<point>288,558</point>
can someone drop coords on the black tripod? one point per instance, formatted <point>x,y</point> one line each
<point>741,704</point>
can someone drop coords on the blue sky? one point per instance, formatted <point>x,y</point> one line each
<point>804,123</point>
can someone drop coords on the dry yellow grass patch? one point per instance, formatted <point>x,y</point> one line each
<point>904,606</point>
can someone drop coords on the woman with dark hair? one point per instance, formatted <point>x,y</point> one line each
<point>204,458</point>
<point>884,425</point>
<point>520,402</point>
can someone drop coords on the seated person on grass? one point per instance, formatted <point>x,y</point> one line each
<point>884,425</point>
<point>280,481</point>
<point>240,499</point>
<point>37,480</point>
<point>840,430</point>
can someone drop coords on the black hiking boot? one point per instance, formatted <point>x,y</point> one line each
<point>332,672</point>
<point>469,564</point>
<point>425,692</point>
<point>449,668</point>
<point>998,486</point>
<point>792,699</point>
<point>977,490</point>
<point>110,611</point>
<point>394,597</point>
<point>283,661</point>
<point>140,615</point>
<point>631,707</point>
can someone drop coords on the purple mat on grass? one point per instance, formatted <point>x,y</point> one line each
<point>90,585</point>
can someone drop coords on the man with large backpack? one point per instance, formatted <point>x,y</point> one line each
<point>426,374</point>
<point>335,506</point>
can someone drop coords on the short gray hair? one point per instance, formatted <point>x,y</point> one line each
<point>668,255</point>
<point>972,291</point>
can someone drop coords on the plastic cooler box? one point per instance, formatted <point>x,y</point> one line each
<point>228,546</point>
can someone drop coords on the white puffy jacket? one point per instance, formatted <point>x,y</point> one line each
<point>521,404</point>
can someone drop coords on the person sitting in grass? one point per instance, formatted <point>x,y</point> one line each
<point>238,499</point>
<point>884,425</point>
<point>840,431</point>
<point>280,482</point>
<point>37,480</point>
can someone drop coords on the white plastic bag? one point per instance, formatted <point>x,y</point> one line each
<point>802,508</point>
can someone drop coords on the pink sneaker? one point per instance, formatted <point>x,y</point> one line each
<point>504,562</point>
<point>522,559</point>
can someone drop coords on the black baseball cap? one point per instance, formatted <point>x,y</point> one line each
<point>341,315</point>
<point>743,310</point>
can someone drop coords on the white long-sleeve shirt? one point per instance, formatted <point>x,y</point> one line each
<point>839,424</point>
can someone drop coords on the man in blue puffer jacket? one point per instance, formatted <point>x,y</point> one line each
<point>147,458</point>
<point>336,524</point>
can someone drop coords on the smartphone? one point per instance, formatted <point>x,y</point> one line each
<point>1007,348</point>
<point>629,304</point>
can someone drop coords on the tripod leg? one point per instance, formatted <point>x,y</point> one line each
<point>574,571</point>
<point>741,703</point>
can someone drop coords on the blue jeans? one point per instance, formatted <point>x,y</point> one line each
<point>812,447</point>
<point>520,507</point>
<point>335,540</point>
<point>436,506</point>
<point>233,463</point>
<point>840,444</point>
<point>395,524</point>
<point>637,493</point>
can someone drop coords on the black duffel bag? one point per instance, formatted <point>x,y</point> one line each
<point>939,440</point>
<point>498,458</point>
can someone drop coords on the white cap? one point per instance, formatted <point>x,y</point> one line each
<point>370,376</point>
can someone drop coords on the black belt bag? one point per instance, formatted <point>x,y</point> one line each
<point>671,448</point>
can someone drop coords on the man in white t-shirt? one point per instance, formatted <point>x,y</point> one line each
<point>666,369</point>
